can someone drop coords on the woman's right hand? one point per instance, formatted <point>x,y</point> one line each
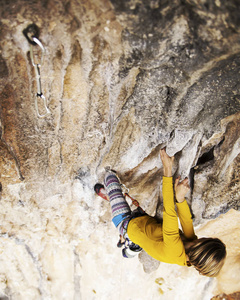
<point>181,189</point>
<point>167,162</point>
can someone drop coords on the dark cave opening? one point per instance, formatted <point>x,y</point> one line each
<point>204,158</point>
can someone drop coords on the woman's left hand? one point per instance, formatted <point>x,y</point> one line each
<point>181,189</point>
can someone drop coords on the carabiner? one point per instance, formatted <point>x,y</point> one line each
<point>123,186</point>
<point>44,104</point>
<point>42,52</point>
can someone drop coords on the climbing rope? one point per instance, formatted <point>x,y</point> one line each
<point>126,194</point>
<point>32,33</point>
<point>134,201</point>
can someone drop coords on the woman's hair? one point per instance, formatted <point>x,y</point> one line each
<point>207,256</point>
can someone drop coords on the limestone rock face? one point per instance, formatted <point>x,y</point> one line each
<point>122,79</point>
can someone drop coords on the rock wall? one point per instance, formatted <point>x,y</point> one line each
<point>122,79</point>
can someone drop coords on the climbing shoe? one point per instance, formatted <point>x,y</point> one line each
<point>99,189</point>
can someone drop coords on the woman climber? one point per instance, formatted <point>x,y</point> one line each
<point>163,241</point>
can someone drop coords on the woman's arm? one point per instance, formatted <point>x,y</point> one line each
<point>181,189</point>
<point>167,162</point>
<point>170,220</point>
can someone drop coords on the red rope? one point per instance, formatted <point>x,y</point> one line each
<point>134,201</point>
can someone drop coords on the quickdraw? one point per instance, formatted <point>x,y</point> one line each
<point>134,201</point>
<point>32,34</point>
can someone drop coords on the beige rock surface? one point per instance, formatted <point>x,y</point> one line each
<point>122,79</point>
